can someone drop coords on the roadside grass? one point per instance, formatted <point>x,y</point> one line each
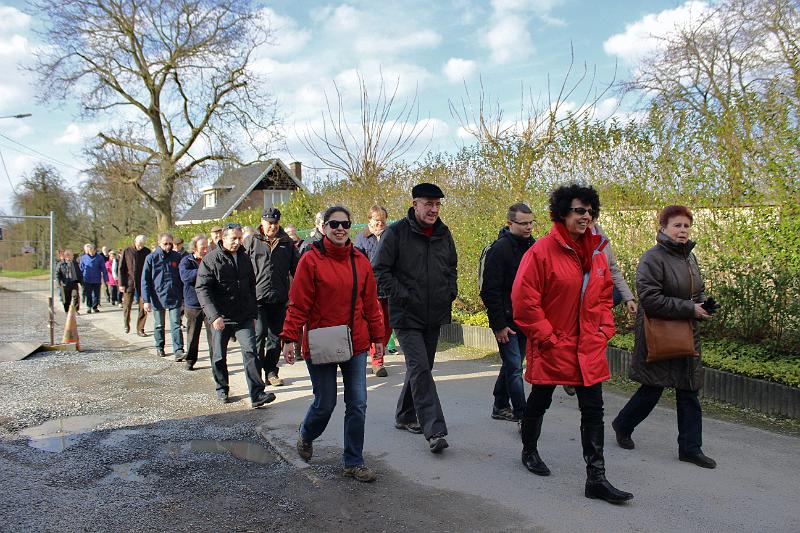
<point>26,274</point>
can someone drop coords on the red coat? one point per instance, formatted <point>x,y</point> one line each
<point>322,293</point>
<point>567,334</point>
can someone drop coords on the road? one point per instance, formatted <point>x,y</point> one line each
<point>476,485</point>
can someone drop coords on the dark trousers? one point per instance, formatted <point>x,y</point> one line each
<point>509,386</point>
<point>419,400</point>
<point>590,403</point>
<point>127,302</point>
<point>92,291</point>
<point>245,335</point>
<point>268,326</point>
<point>69,295</point>
<point>116,297</point>
<point>690,416</point>
<point>323,380</point>
<point>195,318</point>
<point>108,293</point>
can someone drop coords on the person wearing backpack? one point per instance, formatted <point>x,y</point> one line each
<point>498,270</point>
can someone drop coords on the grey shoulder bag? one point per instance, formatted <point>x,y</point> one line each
<point>334,344</point>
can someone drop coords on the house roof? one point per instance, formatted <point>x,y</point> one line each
<point>233,186</point>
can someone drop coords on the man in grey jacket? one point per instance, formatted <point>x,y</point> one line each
<point>415,268</point>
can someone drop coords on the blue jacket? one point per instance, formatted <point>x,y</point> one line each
<point>161,280</point>
<point>93,268</point>
<point>188,269</point>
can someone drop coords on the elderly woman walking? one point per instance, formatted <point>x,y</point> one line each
<point>670,288</point>
<point>333,287</point>
<point>561,300</point>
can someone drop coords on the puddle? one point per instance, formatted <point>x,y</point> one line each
<point>119,437</point>
<point>247,451</point>
<point>128,472</point>
<point>58,435</point>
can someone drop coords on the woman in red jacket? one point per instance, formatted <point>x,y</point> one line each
<point>322,296</point>
<point>561,300</point>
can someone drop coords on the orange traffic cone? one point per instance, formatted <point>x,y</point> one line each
<point>71,328</point>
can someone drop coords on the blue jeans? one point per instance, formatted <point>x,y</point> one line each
<point>174,325</point>
<point>323,380</point>
<point>92,292</point>
<point>509,384</point>
<point>245,334</point>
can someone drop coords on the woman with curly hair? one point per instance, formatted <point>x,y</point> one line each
<point>561,300</point>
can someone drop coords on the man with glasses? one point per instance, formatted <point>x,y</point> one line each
<point>225,287</point>
<point>274,258</point>
<point>500,268</point>
<point>162,292</point>
<point>415,268</point>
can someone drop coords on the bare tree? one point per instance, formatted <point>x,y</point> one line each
<point>513,147</point>
<point>361,150</point>
<point>177,72</point>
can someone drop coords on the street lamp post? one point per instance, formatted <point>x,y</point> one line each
<point>21,115</point>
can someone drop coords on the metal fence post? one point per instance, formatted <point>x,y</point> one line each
<point>52,280</point>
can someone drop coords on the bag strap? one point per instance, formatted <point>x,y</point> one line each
<point>355,291</point>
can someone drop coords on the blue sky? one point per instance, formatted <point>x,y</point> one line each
<point>432,47</point>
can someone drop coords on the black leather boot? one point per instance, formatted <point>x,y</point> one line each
<point>597,486</point>
<point>531,429</point>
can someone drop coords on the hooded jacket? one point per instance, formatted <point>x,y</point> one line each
<point>272,266</point>
<point>417,273</point>
<point>161,280</point>
<point>499,270</point>
<point>567,331</point>
<point>322,292</point>
<point>226,288</point>
<point>93,268</point>
<point>669,284</point>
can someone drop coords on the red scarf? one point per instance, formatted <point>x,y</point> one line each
<point>584,246</point>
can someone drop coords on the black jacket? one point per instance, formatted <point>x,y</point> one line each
<point>499,270</point>
<point>225,289</point>
<point>272,267</point>
<point>417,273</point>
<point>68,277</point>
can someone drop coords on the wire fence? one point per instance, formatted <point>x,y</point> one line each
<point>27,269</point>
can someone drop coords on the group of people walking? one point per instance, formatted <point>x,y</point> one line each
<point>548,300</point>
<point>92,270</point>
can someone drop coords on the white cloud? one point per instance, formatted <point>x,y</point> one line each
<point>457,70</point>
<point>14,49</point>
<point>72,135</point>
<point>508,39</point>
<point>378,44</point>
<point>645,35</point>
<point>12,18</point>
<point>286,37</point>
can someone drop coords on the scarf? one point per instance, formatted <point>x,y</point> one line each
<point>584,246</point>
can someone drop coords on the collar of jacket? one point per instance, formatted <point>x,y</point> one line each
<point>675,248</point>
<point>505,232</point>
<point>438,226</point>
<point>281,236</point>
<point>598,242</point>
<point>326,248</point>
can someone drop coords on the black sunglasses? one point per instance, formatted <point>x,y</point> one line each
<point>232,225</point>
<point>582,211</point>
<point>334,224</point>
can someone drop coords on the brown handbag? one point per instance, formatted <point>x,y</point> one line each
<point>668,339</point>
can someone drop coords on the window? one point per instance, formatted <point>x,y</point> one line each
<point>272,198</point>
<point>210,199</point>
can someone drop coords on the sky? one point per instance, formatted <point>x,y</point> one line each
<point>440,51</point>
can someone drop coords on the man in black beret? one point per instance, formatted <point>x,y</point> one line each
<point>274,259</point>
<point>415,268</point>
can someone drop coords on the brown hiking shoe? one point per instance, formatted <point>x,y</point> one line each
<point>304,449</point>
<point>274,380</point>
<point>380,371</point>
<point>360,473</point>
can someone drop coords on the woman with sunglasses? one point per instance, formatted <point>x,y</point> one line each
<point>561,300</point>
<point>322,296</point>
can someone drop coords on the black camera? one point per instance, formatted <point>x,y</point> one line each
<point>711,306</point>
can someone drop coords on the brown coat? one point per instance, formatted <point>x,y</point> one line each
<point>130,268</point>
<point>669,284</point>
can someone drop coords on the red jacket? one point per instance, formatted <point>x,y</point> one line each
<point>567,334</point>
<point>322,292</point>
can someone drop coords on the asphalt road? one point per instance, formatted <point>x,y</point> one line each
<point>478,484</point>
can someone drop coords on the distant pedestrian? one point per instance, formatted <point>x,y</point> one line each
<point>291,231</point>
<point>106,286</point>
<point>214,236</point>
<point>416,269</point>
<point>335,287</point>
<point>195,317</point>
<point>178,247</point>
<point>274,260</point>
<point>367,241</point>
<point>247,232</point>
<point>112,281</point>
<point>93,272</point>
<point>130,283</point>
<point>68,274</point>
<point>225,287</point>
<point>162,293</point>
<point>316,235</point>
<point>500,268</point>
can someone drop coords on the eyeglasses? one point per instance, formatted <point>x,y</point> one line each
<point>232,225</point>
<point>334,224</point>
<point>522,223</point>
<point>582,211</point>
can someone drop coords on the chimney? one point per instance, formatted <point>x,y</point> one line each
<point>297,169</point>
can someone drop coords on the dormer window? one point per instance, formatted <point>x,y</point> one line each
<point>210,199</point>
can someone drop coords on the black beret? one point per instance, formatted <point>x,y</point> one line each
<point>426,190</point>
<point>272,214</point>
